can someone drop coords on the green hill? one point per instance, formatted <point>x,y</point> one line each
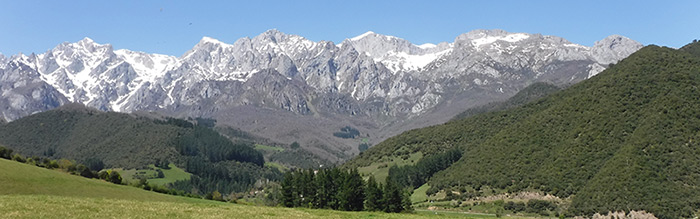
<point>28,191</point>
<point>626,139</point>
<point>23,179</point>
<point>117,140</point>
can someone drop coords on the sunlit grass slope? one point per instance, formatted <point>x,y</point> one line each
<point>27,191</point>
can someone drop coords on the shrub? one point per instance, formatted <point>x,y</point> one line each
<point>114,177</point>
<point>84,171</point>
<point>104,174</point>
<point>294,145</point>
<point>66,164</point>
<point>52,164</point>
<point>94,164</point>
<point>514,206</point>
<point>18,158</point>
<point>5,153</point>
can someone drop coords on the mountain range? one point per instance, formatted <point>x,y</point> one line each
<point>624,140</point>
<point>291,89</point>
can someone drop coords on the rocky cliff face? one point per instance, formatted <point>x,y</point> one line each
<point>381,85</point>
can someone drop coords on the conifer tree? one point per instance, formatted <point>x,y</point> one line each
<point>354,186</point>
<point>308,189</point>
<point>392,199</point>
<point>288,190</point>
<point>373,193</point>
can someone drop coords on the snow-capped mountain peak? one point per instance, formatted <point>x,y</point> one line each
<point>209,40</point>
<point>148,65</point>
<point>427,46</point>
<point>395,53</point>
<point>359,37</point>
<point>365,67</point>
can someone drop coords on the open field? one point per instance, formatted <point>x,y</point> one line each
<point>419,195</point>
<point>171,175</point>
<point>28,191</point>
<point>268,148</point>
<point>43,206</point>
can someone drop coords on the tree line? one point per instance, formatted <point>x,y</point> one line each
<point>71,167</point>
<point>210,144</point>
<point>333,188</point>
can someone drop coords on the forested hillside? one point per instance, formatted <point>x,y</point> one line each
<point>626,139</point>
<point>117,140</point>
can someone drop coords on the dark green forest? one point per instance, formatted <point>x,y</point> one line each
<point>625,139</point>
<point>333,188</point>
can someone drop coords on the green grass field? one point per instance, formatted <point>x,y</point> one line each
<point>171,175</point>
<point>277,165</point>
<point>23,179</point>
<point>419,195</point>
<point>268,148</point>
<point>28,191</point>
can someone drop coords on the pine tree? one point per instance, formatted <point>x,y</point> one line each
<point>356,191</point>
<point>344,192</point>
<point>321,182</point>
<point>373,192</point>
<point>392,199</point>
<point>308,190</point>
<point>336,178</point>
<point>406,200</point>
<point>288,190</point>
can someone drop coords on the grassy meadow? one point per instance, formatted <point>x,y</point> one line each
<point>28,191</point>
<point>172,174</point>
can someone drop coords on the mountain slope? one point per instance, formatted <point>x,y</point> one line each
<point>530,93</point>
<point>622,140</point>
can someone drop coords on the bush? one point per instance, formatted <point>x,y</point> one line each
<point>540,206</point>
<point>66,164</point>
<point>363,147</point>
<point>114,177</point>
<point>514,206</point>
<point>104,174</point>
<point>5,153</point>
<point>52,164</point>
<point>84,171</point>
<point>94,164</point>
<point>18,158</point>
<point>294,145</point>
<point>216,196</point>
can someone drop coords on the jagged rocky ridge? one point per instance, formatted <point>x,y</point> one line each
<point>288,88</point>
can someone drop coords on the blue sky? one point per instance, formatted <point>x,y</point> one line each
<point>173,27</point>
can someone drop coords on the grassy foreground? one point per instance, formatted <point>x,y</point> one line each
<point>43,206</point>
<point>28,191</point>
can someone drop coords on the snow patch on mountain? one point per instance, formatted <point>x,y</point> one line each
<point>512,38</point>
<point>397,54</point>
<point>407,62</point>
